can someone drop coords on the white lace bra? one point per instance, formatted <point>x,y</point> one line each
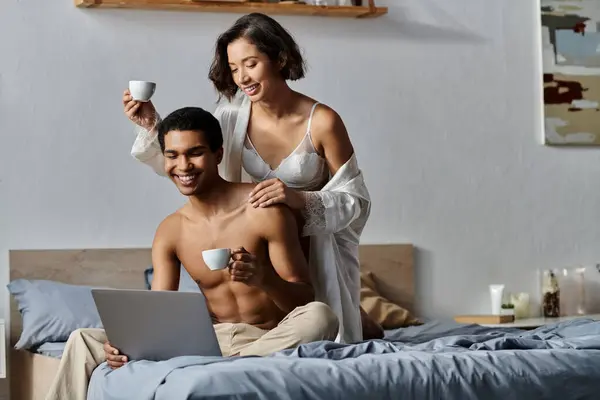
<point>303,169</point>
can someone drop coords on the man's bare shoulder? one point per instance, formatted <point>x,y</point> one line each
<point>171,225</point>
<point>272,218</point>
<point>274,211</point>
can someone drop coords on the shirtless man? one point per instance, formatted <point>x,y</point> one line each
<point>262,303</point>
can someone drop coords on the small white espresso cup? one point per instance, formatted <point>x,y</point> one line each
<point>142,90</point>
<point>216,259</point>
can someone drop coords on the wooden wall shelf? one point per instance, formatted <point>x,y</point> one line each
<point>368,11</point>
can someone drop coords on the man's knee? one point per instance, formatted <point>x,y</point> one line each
<point>323,324</point>
<point>85,334</point>
<point>78,333</point>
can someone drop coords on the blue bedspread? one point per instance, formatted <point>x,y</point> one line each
<point>432,361</point>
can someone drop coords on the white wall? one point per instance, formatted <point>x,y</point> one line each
<point>441,100</point>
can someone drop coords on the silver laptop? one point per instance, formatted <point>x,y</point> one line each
<point>156,325</point>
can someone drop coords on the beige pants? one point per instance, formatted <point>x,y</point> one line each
<point>84,350</point>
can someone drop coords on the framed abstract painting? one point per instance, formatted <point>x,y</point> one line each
<point>571,72</point>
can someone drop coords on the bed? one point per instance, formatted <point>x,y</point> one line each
<point>31,372</point>
<point>434,360</point>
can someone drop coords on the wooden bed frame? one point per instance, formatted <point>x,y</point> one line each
<point>31,374</point>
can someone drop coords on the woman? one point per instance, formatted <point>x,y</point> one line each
<point>292,145</point>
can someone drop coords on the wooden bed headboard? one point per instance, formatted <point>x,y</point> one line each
<point>123,268</point>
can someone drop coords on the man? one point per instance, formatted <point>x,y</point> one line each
<point>262,303</point>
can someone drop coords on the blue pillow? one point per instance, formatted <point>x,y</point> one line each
<point>52,310</point>
<point>186,283</point>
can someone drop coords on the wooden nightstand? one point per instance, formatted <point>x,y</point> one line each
<point>532,323</point>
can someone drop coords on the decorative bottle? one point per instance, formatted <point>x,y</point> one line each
<point>551,295</point>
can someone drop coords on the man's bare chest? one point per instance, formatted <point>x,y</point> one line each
<point>197,237</point>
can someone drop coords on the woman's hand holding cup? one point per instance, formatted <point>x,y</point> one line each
<point>141,113</point>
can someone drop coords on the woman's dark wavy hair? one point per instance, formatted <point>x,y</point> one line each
<point>269,37</point>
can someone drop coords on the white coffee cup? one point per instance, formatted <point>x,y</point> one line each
<point>142,90</point>
<point>216,259</point>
